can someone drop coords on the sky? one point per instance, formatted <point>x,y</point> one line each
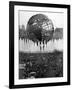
<point>57,18</point>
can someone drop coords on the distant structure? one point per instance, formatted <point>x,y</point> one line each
<point>22,32</point>
<point>58,33</point>
<point>23,27</point>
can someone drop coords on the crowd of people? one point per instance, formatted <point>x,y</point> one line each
<point>41,65</point>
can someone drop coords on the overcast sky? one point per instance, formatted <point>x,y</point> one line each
<point>57,18</point>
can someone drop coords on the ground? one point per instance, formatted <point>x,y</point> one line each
<point>40,65</point>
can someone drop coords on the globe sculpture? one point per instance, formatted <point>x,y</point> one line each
<point>40,29</point>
